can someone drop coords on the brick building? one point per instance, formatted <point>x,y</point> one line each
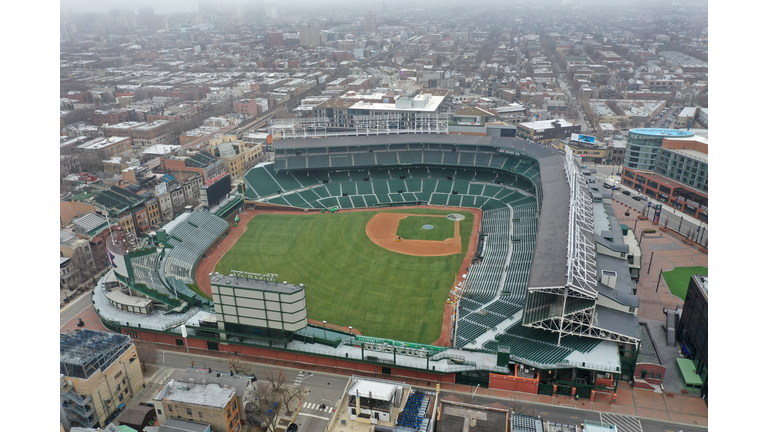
<point>100,371</point>
<point>150,134</point>
<point>108,117</point>
<point>112,146</point>
<point>247,106</point>
<point>206,403</point>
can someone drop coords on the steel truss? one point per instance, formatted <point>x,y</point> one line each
<point>582,262</point>
<point>384,124</point>
<point>580,323</point>
<point>581,280</point>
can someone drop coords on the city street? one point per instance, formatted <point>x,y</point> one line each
<point>74,308</point>
<point>321,388</point>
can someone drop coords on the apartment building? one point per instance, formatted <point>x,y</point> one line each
<point>99,372</point>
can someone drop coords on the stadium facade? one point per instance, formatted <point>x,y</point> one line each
<point>547,306</point>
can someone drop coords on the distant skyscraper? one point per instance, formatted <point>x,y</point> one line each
<point>370,22</point>
<point>380,7</point>
<point>309,35</point>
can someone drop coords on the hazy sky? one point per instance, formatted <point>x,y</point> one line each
<point>160,7</point>
<point>186,6</point>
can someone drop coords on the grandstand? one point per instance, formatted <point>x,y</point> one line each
<point>533,285</point>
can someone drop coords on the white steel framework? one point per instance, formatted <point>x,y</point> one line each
<point>384,124</point>
<point>581,283</point>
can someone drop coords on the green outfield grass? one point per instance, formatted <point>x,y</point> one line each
<point>677,280</point>
<point>410,228</point>
<point>350,280</point>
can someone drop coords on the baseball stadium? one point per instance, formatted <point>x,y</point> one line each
<point>477,260</point>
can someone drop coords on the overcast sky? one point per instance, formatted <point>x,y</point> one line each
<point>187,6</point>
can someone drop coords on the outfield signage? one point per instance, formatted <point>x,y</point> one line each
<point>397,347</point>
<point>508,152</point>
<point>267,277</point>
<point>384,348</point>
<point>215,179</point>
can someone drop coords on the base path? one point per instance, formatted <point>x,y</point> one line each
<point>382,230</point>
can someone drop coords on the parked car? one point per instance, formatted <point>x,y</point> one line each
<point>625,192</point>
<point>636,198</point>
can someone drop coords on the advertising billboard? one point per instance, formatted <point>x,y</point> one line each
<point>583,138</point>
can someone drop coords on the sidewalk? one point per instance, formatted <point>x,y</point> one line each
<point>668,406</point>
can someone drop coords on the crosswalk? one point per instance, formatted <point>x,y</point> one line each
<point>317,407</point>
<point>624,423</point>
<point>300,377</point>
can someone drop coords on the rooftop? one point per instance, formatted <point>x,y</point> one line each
<point>209,395</point>
<point>546,124</point>
<point>665,133</point>
<point>82,352</point>
<point>242,282</point>
<point>378,390</point>
<point>100,143</point>
<point>455,417</point>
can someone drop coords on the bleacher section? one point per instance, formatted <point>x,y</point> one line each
<point>413,417</point>
<point>190,239</point>
<point>495,289</point>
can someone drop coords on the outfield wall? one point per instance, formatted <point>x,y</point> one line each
<point>356,366</point>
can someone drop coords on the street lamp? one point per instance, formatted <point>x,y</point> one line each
<point>324,330</point>
<point>350,330</point>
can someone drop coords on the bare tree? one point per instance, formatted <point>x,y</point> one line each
<point>274,398</point>
<point>237,365</point>
<point>147,354</point>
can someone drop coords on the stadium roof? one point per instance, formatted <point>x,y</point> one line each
<point>548,267</point>
<point>616,322</point>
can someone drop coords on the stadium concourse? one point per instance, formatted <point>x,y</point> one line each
<point>547,305</point>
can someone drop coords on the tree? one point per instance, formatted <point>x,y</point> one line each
<point>274,398</point>
<point>238,366</point>
<point>147,354</point>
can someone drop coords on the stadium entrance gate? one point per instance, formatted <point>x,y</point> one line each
<point>545,389</point>
<point>583,391</point>
<point>564,389</point>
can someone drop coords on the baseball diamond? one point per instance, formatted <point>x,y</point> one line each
<point>351,265</point>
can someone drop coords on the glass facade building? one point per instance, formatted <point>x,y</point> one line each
<point>643,146</point>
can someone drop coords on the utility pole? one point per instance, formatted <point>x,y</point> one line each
<point>658,281</point>
<point>650,263</point>
<point>184,335</point>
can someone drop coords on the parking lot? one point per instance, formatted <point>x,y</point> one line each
<point>666,117</point>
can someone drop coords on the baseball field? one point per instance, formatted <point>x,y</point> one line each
<point>350,279</point>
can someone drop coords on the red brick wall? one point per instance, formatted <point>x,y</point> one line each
<point>651,369</point>
<point>513,383</point>
<point>349,365</point>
